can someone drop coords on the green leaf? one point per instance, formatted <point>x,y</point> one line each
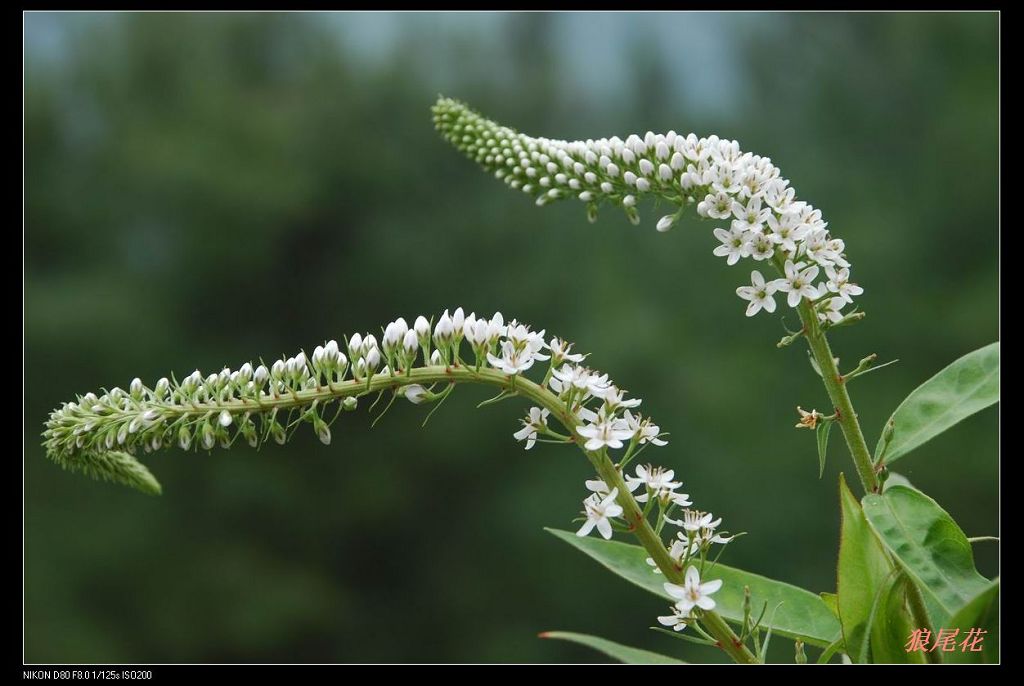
<point>631,656</point>
<point>891,625</point>
<point>862,571</point>
<point>897,480</point>
<point>801,614</point>
<point>823,429</point>
<point>967,386</point>
<point>929,545</point>
<point>981,612</point>
<point>831,601</point>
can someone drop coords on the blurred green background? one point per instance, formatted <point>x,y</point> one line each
<point>205,189</point>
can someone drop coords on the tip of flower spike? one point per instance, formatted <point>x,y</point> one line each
<point>116,466</point>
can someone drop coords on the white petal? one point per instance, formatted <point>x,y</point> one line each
<point>710,587</point>
<point>675,590</point>
<point>692,576</point>
<point>705,603</point>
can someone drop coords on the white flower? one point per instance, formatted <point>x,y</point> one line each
<point>355,347</point>
<point>705,537</point>
<point>394,334</point>
<point>723,182</point>
<point>496,328</point>
<point>536,421</point>
<point>666,222</point>
<point>658,481</point>
<point>734,244</point>
<point>761,247</point>
<point>830,312</point>
<point>695,520</point>
<point>693,593</point>
<point>560,352</point>
<point>415,393</point>
<point>579,377</point>
<point>645,430</point>
<point>677,551</point>
<point>607,431</point>
<point>839,283</point>
<point>677,620</point>
<point>444,330</point>
<point>458,319</point>
<point>512,360</point>
<point>717,206</point>
<point>411,343</point>
<point>614,399</point>
<point>422,329</point>
<point>598,512</point>
<point>760,294</point>
<point>786,231</point>
<point>799,284</point>
<point>750,217</point>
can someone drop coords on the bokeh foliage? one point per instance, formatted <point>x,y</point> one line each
<point>205,189</point>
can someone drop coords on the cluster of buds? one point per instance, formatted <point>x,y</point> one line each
<point>259,402</point>
<point>763,219</point>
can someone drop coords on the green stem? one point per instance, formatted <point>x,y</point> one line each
<point>641,528</point>
<point>919,613</point>
<point>835,384</point>
<point>519,385</point>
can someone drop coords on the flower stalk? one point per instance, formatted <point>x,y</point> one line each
<point>641,528</point>
<point>835,385</point>
<point>100,434</point>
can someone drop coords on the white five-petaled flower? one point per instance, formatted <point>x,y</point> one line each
<point>735,244</point>
<point>750,217</point>
<point>657,480</point>
<point>705,537</point>
<point>786,231</point>
<point>536,421</point>
<point>560,352</point>
<point>614,399</point>
<point>693,593</point>
<point>512,360</point>
<point>839,283</point>
<point>579,377</point>
<point>605,430</point>
<point>695,520</point>
<point>677,620</point>
<point>717,206</point>
<point>830,311</point>
<point>598,512</point>
<point>760,294</point>
<point>799,282</point>
<point>646,430</point>
<point>520,349</point>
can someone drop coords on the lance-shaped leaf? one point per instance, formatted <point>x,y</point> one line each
<point>981,613</point>
<point>801,614</point>
<point>891,625</point>
<point>863,570</point>
<point>967,386</point>
<point>930,547</point>
<point>627,654</point>
<point>822,435</point>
